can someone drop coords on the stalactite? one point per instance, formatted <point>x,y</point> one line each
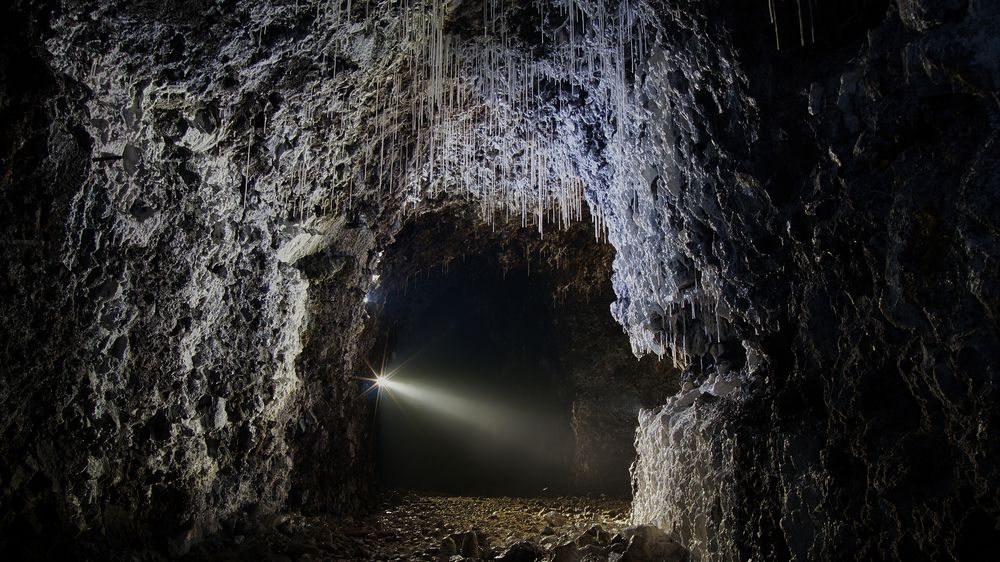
<point>484,119</point>
<point>774,22</point>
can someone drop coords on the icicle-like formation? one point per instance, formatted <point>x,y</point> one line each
<point>802,14</point>
<point>489,120</point>
<point>504,124</point>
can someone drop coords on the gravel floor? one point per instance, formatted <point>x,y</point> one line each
<point>412,526</point>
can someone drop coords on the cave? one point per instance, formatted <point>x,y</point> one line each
<point>470,280</point>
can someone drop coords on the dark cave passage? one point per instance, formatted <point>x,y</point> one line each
<point>507,374</point>
<point>489,410</point>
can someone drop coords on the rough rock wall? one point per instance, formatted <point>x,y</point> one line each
<point>41,165</point>
<point>853,223</point>
<point>178,324</point>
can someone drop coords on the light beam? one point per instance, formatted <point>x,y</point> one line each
<point>509,425</point>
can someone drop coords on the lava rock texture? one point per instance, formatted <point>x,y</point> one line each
<point>802,198</point>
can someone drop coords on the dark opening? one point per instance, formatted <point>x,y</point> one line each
<point>508,373</point>
<point>483,409</point>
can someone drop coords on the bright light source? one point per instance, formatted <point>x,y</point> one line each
<point>385,383</point>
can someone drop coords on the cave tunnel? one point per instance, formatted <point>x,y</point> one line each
<point>473,280</point>
<point>477,343</point>
<point>502,348</point>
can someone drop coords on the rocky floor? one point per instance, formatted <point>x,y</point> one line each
<point>458,528</point>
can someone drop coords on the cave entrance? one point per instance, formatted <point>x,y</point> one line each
<point>507,374</point>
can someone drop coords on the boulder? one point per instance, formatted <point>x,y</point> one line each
<point>566,553</point>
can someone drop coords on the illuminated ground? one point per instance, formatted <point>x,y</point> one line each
<point>411,527</point>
